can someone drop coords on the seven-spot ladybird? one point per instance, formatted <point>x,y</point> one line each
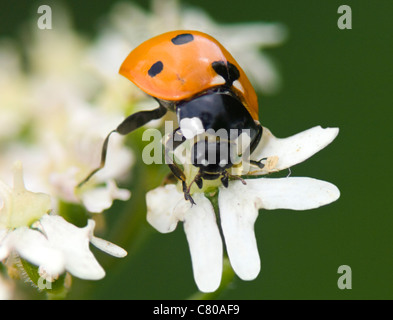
<point>191,73</point>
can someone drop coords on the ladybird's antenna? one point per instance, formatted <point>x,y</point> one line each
<point>103,160</point>
<point>128,125</point>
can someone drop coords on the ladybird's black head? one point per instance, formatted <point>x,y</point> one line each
<point>212,157</point>
<point>220,114</point>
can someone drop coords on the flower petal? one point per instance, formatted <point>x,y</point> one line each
<point>205,244</point>
<point>73,243</point>
<point>99,199</point>
<point>165,207</point>
<point>238,214</point>
<point>239,206</point>
<point>294,149</point>
<point>108,247</point>
<point>34,247</point>
<point>295,193</point>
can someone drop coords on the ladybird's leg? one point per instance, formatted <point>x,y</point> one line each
<point>253,146</point>
<point>171,145</point>
<point>258,163</point>
<point>198,180</point>
<point>180,175</point>
<point>224,179</point>
<point>234,177</point>
<point>174,140</point>
<point>131,123</point>
<point>257,138</point>
<point>186,192</point>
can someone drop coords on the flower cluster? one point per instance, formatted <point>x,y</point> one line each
<point>55,128</point>
<point>28,228</point>
<point>53,120</point>
<point>238,206</point>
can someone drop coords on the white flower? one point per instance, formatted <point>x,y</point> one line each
<point>52,120</point>
<point>47,241</point>
<point>74,149</point>
<point>12,103</point>
<point>238,207</point>
<point>101,198</point>
<point>72,243</point>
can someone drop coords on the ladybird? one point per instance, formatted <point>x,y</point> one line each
<point>192,74</point>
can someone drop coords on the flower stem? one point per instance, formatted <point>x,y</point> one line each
<point>56,290</point>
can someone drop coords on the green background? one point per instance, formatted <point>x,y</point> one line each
<point>331,77</point>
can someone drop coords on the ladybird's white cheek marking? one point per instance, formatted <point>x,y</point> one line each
<point>190,127</point>
<point>204,162</point>
<point>223,163</point>
<point>238,86</point>
<point>217,80</point>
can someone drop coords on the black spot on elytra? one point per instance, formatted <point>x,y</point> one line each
<point>226,70</point>
<point>182,38</point>
<point>155,69</point>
